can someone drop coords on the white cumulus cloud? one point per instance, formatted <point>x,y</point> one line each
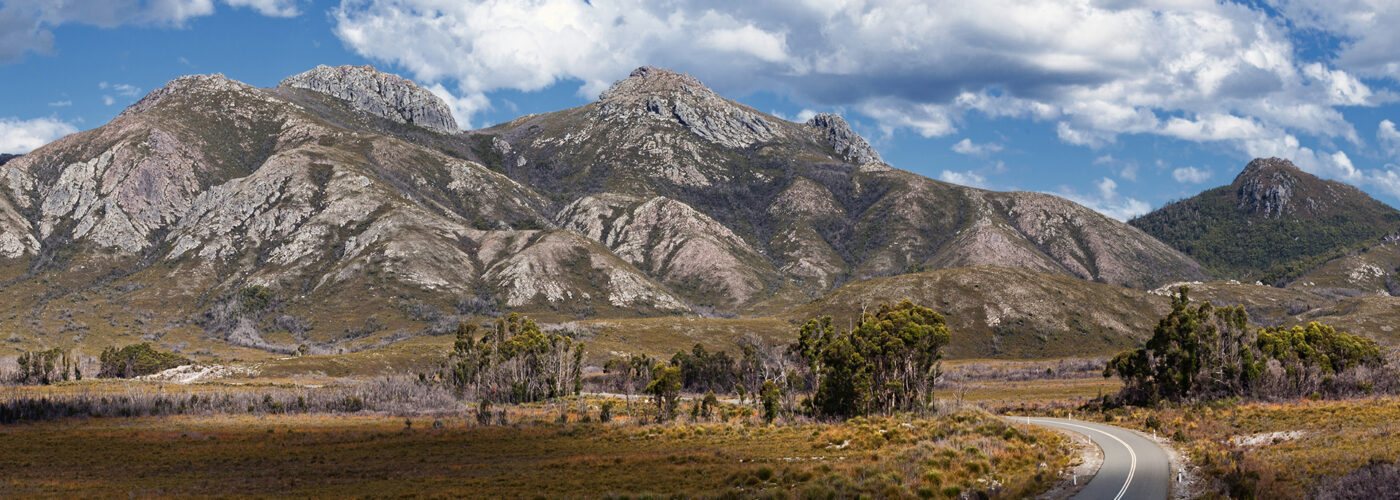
<point>1390,138</point>
<point>967,178</point>
<point>1107,200</point>
<point>967,147</point>
<point>748,40</point>
<point>270,8</point>
<point>462,107</point>
<point>1196,70</point>
<point>1191,175</point>
<point>22,136</point>
<point>1367,28</point>
<point>27,25</point>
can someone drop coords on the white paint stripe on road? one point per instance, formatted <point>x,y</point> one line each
<point>1132,457</point>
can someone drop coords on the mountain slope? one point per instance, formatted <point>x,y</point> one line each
<point>1004,312</point>
<point>813,200</point>
<point>1271,224</point>
<point>1372,270</point>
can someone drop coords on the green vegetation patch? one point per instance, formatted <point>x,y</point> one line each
<point>137,360</point>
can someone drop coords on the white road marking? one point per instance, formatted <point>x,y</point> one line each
<point>1132,462</point>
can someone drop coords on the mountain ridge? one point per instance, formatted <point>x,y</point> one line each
<point>367,228</point>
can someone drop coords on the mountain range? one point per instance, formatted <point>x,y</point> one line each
<point>343,210</point>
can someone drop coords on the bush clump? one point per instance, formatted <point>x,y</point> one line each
<point>136,360</point>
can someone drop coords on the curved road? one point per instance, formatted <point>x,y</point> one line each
<point>1133,466</point>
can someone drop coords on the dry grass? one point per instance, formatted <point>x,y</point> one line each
<point>662,337</point>
<point>1002,393</point>
<point>369,455</point>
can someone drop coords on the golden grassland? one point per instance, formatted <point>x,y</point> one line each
<point>664,336</point>
<point>373,455</point>
<point>1004,393</point>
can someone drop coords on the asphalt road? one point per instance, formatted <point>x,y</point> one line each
<point>1133,466</point>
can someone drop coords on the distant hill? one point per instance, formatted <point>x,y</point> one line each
<point>5,158</point>
<point>1272,224</point>
<point>1006,312</point>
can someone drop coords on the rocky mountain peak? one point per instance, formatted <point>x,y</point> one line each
<point>1274,187</point>
<point>188,85</point>
<point>655,93</point>
<point>381,94</point>
<point>648,81</point>
<point>833,130</point>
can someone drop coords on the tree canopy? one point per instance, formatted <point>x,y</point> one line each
<point>515,361</point>
<point>1203,352</point>
<point>887,362</point>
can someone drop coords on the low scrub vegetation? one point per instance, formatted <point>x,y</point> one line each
<point>393,395</point>
<point>963,454</point>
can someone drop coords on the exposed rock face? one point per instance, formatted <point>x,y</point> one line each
<point>673,96</point>
<point>835,132</point>
<point>1266,185</point>
<point>687,250</point>
<point>207,186</point>
<point>529,268</point>
<point>380,94</point>
<point>812,204</point>
<point>1273,187</point>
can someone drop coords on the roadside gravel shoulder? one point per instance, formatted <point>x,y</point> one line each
<point>1081,470</point>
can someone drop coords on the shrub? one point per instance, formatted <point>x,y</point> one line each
<point>136,360</point>
<point>605,411</point>
<point>769,394</point>
<point>887,362</point>
<point>665,389</point>
<point>709,404</point>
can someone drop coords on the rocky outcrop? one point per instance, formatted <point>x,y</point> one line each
<point>197,87</point>
<point>1266,186</point>
<point>380,94</point>
<point>667,95</point>
<point>685,249</point>
<point>548,267</point>
<point>1274,187</point>
<point>833,131</point>
<point>920,223</point>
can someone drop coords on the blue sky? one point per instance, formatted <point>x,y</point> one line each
<point>1121,105</point>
